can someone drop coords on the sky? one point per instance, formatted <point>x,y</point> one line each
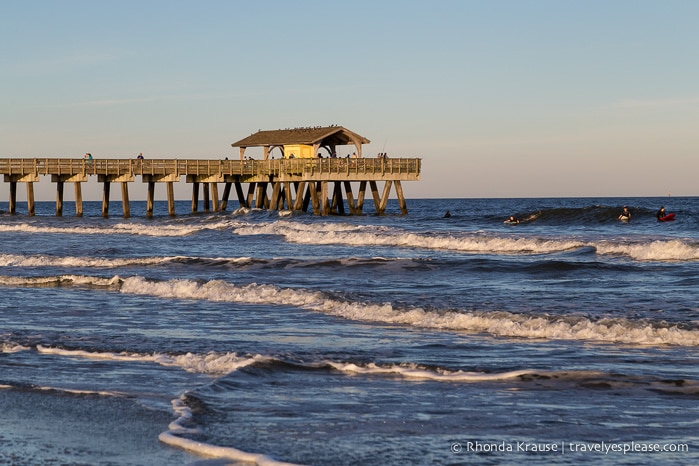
<point>498,98</point>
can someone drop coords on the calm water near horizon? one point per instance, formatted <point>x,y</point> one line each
<point>283,338</point>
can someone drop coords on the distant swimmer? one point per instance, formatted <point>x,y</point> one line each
<point>512,220</point>
<point>447,214</point>
<point>661,213</point>
<point>625,215</point>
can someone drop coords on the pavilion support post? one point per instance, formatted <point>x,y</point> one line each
<point>338,203</point>
<point>262,201</point>
<point>325,208</point>
<point>360,196</point>
<point>13,197</point>
<point>300,191</point>
<point>126,208</point>
<point>307,197</point>
<point>30,198</point>
<point>105,199</point>
<point>170,198</point>
<point>350,197</point>
<point>78,199</point>
<point>375,194</point>
<point>150,199</point>
<point>251,195</point>
<point>384,198</point>
<point>242,200</point>
<point>315,188</point>
<point>401,198</point>
<point>276,189</point>
<point>195,196</point>
<point>205,187</point>
<point>265,198</point>
<point>287,196</point>
<point>214,197</point>
<point>226,195</point>
<point>59,199</point>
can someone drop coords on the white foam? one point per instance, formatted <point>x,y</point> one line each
<point>412,371</point>
<point>478,242</point>
<point>176,428</point>
<point>211,363</point>
<point>657,250</point>
<point>19,260</point>
<point>118,229</point>
<point>9,347</point>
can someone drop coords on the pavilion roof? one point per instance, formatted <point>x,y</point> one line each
<point>336,135</point>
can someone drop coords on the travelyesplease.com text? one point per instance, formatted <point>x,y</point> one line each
<point>563,447</point>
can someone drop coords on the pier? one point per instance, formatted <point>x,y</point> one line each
<point>323,184</point>
<point>300,177</point>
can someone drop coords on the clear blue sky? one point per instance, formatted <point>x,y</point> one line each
<point>499,98</point>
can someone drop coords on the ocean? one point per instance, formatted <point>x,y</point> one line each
<point>270,338</point>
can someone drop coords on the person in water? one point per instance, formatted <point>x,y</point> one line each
<point>661,213</point>
<point>625,214</point>
<point>447,214</point>
<point>512,219</point>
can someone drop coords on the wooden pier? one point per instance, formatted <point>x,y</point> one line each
<point>288,183</point>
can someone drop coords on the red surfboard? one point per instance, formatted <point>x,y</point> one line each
<point>667,218</point>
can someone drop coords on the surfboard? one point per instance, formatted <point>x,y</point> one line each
<point>623,218</point>
<point>667,218</point>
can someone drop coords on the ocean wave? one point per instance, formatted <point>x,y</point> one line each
<point>480,242</point>
<point>353,236</point>
<point>118,229</point>
<point>501,324</point>
<point>504,324</point>
<point>19,260</point>
<point>654,250</point>
<point>10,347</point>
<point>413,371</point>
<point>210,363</point>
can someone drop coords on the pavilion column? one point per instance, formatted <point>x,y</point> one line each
<point>105,199</point>
<point>78,199</point>
<point>214,197</point>
<point>195,196</point>
<point>126,208</point>
<point>170,199</point>
<point>206,196</point>
<point>401,198</point>
<point>226,195</point>
<point>13,197</point>
<point>59,198</point>
<point>150,199</point>
<point>30,198</point>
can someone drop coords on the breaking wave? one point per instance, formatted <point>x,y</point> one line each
<point>500,324</point>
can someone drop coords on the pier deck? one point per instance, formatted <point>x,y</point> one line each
<point>291,184</point>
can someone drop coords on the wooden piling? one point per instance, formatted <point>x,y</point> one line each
<point>105,199</point>
<point>30,198</point>
<point>126,208</point>
<point>13,197</point>
<point>78,200</point>
<point>59,198</point>
<point>170,199</point>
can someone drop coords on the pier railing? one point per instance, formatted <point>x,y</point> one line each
<point>190,167</point>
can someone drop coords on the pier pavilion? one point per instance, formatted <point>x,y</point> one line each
<point>285,183</point>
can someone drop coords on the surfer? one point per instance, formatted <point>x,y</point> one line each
<point>447,214</point>
<point>512,220</point>
<point>661,213</point>
<point>625,214</point>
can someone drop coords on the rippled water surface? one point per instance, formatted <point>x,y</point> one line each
<point>273,338</point>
